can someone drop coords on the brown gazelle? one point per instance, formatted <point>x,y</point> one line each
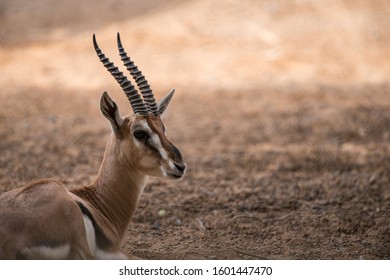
<point>44,220</point>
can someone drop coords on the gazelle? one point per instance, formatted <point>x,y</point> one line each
<point>44,220</point>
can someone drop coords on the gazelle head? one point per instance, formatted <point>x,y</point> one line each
<point>140,139</point>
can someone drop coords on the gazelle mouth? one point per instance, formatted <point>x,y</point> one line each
<point>174,176</point>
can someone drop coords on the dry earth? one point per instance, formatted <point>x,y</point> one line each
<point>282,113</point>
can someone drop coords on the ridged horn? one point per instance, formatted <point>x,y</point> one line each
<point>135,99</point>
<point>142,83</point>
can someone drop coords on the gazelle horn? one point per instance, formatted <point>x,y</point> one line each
<point>142,83</point>
<point>135,99</point>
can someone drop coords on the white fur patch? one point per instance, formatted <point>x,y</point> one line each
<point>90,231</point>
<point>144,126</point>
<point>47,252</point>
<point>97,253</point>
<point>157,144</point>
<point>101,255</point>
<point>156,141</point>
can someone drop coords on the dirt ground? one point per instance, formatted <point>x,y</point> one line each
<point>282,114</point>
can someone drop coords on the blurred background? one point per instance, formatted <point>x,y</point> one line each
<point>282,111</point>
<point>226,44</point>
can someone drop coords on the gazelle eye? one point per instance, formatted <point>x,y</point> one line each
<point>141,135</point>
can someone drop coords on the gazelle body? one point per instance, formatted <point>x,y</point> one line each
<point>44,220</point>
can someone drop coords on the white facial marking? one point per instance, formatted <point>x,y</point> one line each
<point>47,252</point>
<point>163,171</point>
<point>156,142</point>
<point>171,164</point>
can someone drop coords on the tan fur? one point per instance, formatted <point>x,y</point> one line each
<point>40,214</point>
<point>46,214</point>
<point>158,127</point>
<point>44,220</point>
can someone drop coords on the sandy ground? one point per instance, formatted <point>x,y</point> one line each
<point>282,113</point>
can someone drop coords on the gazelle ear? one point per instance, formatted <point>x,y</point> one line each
<point>111,112</point>
<point>165,101</point>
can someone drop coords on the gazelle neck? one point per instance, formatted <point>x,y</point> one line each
<point>117,188</point>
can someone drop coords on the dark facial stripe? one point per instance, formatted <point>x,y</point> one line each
<point>157,126</point>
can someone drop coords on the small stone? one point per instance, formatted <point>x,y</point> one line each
<point>162,213</point>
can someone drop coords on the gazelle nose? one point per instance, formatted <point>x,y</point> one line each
<point>180,167</point>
